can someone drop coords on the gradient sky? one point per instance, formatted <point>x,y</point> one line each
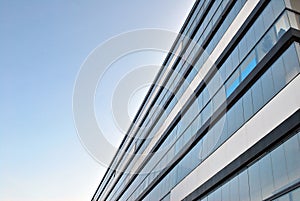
<point>42,46</point>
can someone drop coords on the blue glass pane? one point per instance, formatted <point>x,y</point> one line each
<point>249,68</point>
<point>232,87</point>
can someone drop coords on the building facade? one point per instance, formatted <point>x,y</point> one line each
<point>222,118</point>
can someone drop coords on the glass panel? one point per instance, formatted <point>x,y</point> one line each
<point>291,64</point>
<point>234,189</point>
<point>200,152</point>
<point>257,95</point>
<point>251,37</point>
<point>254,182</point>
<point>194,160</point>
<point>226,68</point>
<point>296,194</point>
<point>279,167</point>
<point>207,112</point>
<point>200,101</point>
<point>294,20</point>
<point>204,152</point>
<point>292,149</point>
<point>235,58</point>
<point>266,176</point>
<point>231,121</point>
<point>243,48</point>
<point>277,72</point>
<point>248,65</point>
<point>244,186</point>
<point>217,195</point>
<point>224,134</point>
<point>226,192</point>
<point>222,73</point>
<point>268,16</point>
<point>281,26</point>
<point>210,197</point>
<point>284,198</point>
<point>218,99</point>
<point>218,128</point>
<point>239,117</point>
<point>204,199</point>
<point>191,76</point>
<point>277,6</point>
<point>266,44</point>
<point>207,145</point>
<point>247,100</point>
<point>259,27</point>
<point>215,83</point>
<point>232,83</point>
<point>206,96</point>
<point>267,85</point>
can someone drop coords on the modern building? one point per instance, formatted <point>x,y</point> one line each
<point>226,123</point>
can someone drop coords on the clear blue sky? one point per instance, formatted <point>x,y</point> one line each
<point>42,46</point>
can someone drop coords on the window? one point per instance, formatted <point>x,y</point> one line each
<point>218,99</point>
<point>277,6</point>
<point>281,26</point>
<point>292,149</point>
<point>277,72</point>
<point>268,16</point>
<point>254,182</point>
<point>279,167</point>
<point>250,35</point>
<point>257,96</point>
<point>231,121</point>
<point>234,189</point>
<point>248,65</point>
<point>259,28</point>
<point>243,186</point>
<point>291,63</point>
<point>207,112</point>
<point>232,83</point>
<point>247,100</point>
<point>266,43</point>
<point>226,192</point>
<point>267,85</point>
<point>266,176</point>
<point>239,117</point>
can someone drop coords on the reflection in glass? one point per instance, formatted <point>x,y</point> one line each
<point>279,167</point>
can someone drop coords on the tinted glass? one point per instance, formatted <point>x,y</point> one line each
<point>279,167</point>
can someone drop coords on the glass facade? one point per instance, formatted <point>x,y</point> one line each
<point>234,119</point>
<point>266,177</point>
<point>253,70</point>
